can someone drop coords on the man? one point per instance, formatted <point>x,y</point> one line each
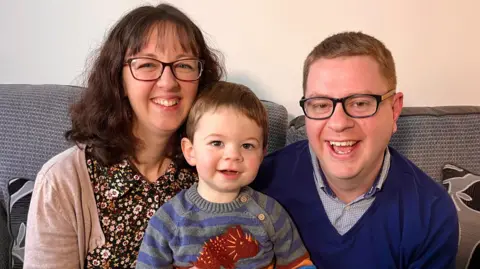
<point>357,202</point>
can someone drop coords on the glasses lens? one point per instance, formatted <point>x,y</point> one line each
<point>318,107</point>
<point>361,105</point>
<point>146,69</point>
<point>187,69</point>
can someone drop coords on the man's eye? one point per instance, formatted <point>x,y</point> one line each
<point>320,105</point>
<point>361,103</point>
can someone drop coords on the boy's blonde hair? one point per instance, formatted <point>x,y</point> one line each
<point>353,44</point>
<point>224,94</point>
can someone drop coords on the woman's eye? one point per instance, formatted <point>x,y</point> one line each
<point>248,146</point>
<point>184,66</point>
<point>147,65</point>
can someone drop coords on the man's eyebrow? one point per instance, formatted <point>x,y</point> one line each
<point>364,91</point>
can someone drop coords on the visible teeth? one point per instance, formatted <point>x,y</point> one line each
<point>342,152</point>
<point>165,102</point>
<point>343,143</point>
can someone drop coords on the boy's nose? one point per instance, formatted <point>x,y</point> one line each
<point>232,153</point>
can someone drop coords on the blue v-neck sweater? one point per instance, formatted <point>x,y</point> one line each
<point>411,224</point>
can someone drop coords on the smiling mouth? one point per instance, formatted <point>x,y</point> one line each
<point>342,147</point>
<point>166,102</point>
<point>229,172</point>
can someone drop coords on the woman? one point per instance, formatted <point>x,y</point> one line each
<point>91,204</point>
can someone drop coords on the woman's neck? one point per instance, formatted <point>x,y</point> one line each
<point>151,156</point>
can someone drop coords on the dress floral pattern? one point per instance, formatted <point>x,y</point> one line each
<point>125,202</point>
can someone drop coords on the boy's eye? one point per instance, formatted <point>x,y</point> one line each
<point>248,146</point>
<point>216,143</point>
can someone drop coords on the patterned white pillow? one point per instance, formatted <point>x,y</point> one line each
<point>18,202</point>
<point>464,188</point>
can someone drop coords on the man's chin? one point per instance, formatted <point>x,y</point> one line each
<point>341,172</point>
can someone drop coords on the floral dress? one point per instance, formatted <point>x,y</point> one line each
<point>125,202</point>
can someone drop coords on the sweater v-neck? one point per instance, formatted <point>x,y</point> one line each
<point>312,198</point>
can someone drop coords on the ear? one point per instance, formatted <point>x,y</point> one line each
<point>188,151</point>
<point>397,109</point>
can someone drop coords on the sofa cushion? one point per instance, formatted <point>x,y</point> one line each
<point>430,137</point>
<point>464,188</point>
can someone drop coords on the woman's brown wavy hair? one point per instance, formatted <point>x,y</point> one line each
<point>102,117</point>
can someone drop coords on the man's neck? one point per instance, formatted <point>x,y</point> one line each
<point>347,190</point>
<point>350,189</point>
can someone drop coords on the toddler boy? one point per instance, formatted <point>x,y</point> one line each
<point>220,222</point>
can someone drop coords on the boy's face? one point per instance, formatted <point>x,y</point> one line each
<point>227,150</point>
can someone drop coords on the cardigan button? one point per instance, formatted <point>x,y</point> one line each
<point>243,199</point>
<point>261,217</point>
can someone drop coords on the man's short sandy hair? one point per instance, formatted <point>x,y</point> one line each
<point>228,95</point>
<point>353,44</point>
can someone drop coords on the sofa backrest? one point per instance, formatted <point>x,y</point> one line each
<point>32,124</point>
<point>33,121</point>
<point>431,137</point>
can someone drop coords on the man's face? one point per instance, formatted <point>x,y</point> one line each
<point>349,148</point>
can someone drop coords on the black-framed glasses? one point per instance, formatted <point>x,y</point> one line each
<point>355,106</point>
<point>150,69</point>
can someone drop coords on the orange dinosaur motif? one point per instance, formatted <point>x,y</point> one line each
<point>225,250</point>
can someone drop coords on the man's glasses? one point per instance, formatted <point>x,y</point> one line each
<point>355,106</point>
<point>149,69</point>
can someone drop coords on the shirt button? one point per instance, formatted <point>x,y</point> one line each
<point>261,217</point>
<point>347,207</point>
<point>243,199</point>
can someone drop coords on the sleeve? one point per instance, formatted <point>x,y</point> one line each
<point>288,246</point>
<point>51,237</point>
<point>441,243</point>
<point>155,251</point>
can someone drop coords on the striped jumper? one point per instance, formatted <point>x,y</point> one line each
<point>253,231</point>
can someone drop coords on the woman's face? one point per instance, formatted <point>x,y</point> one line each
<point>159,107</point>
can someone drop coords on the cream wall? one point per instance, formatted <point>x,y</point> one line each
<point>264,42</point>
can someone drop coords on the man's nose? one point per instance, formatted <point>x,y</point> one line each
<point>339,120</point>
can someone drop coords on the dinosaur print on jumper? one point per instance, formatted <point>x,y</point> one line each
<point>225,250</point>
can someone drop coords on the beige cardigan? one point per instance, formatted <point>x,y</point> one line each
<point>63,224</point>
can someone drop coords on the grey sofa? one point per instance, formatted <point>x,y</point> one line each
<point>443,141</point>
<point>33,120</point>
